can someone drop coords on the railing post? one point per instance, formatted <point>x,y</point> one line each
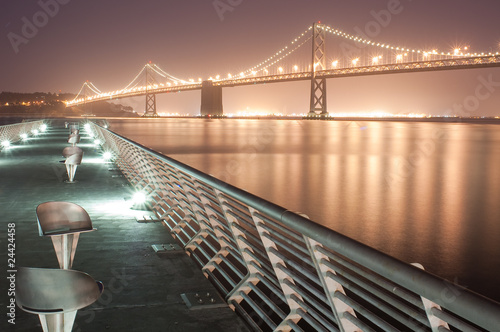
<point>282,277</point>
<point>204,229</point>
<point>435,322</point>
<point>223,251</point>
<point>330,286</point>
<point>244,249</point>
<point>318,85</point>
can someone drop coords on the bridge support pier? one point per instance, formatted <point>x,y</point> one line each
<point>318,84</point>
<point>211,99</point>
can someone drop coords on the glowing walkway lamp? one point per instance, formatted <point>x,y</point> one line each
<point>55,295</point>
<point>73,155</point>
<point>5,144</point>
<point>63,222</point>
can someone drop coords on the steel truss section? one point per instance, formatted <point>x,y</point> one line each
<point>150,97</point>
<point>318,85</point>
<point>150,105</point>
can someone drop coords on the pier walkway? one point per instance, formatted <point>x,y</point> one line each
<point>142,289</point>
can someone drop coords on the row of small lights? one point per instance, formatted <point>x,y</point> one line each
<point>124,91</point>
<point>160,72</point>
<point>368,114</point>
<point>399,57</point>
<point>176,81</point>
<point>277,57</point>
<point>6,143</point>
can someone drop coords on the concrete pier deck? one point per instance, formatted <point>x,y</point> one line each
<point>142,288</point>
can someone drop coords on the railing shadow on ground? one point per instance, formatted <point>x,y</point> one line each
<point>281,271</point>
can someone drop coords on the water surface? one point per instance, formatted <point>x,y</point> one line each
<point>424,192</point>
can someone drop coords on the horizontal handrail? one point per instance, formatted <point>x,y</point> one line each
<point>270,262</point>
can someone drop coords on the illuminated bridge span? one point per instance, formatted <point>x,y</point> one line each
<point>348,56</point>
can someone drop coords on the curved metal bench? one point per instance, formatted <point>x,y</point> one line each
<point>55,295</point>
<point>74,139</point>
<point>73,155</point>
<point>63,222</point>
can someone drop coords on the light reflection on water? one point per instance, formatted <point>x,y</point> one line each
<point>420,191</point>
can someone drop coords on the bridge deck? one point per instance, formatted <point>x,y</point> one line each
<point>142,288</point>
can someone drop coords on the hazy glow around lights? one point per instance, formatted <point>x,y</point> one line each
<point>139,198</point>
<point>107,155</point>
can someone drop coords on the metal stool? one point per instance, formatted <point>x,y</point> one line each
<point>74,139</point>
<point>73,155</point>
<point>55,295</point>
<point>63,222</point>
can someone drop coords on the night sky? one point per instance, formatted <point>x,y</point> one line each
<point>108,41</point>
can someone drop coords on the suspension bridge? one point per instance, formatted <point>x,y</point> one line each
<point>349,55</point>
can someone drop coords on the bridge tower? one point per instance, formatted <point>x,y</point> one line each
<point>150,97</point>
<point>87,107</point>
<point>318,85</point>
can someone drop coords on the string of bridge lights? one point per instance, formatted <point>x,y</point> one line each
<point>456,51</point>
<point>130,87</point>
<point>91,86</point>
<point>280,55</point>
<point>399,57</point>
<point>157,70</point>
<point>173,78</point>
<point>283,52</point>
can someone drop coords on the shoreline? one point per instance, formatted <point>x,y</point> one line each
<point>476,120</point>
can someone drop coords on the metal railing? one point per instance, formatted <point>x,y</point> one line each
<point>281,271</point>
<point>18,131</point>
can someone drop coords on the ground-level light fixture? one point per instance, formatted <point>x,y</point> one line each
<point>139,198</point>
<point>107,155</point>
